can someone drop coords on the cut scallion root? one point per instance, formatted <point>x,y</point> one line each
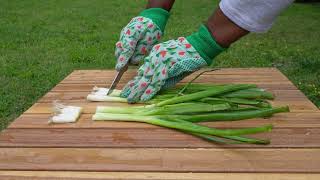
<point>65,114</point>
<point>99,98</point>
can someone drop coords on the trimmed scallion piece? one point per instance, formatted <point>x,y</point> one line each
<point>254,93</point>
<point>182,108</point>
<point>121,110</point>
<point>230,115</point>
<point>185,125</point>
<point>192,88</point>
<point>190,82</point>
<point>231,100</point>
<point>188,108</point>
<point>234,139</point>
<point>207,93</point>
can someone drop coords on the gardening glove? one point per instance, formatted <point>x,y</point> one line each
<point>140,35</point>
<point>170,62</point>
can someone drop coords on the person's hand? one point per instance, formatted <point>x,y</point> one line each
<point>139,36</point>
<point>167,64</point>
<point>170,62</point>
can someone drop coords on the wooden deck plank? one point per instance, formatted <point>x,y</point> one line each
<point>281,120</point>
<point>80,87</point>
<point>224,71</point>
<point>208,78</point>
<point>221,76</point>
<point>220,73</point>
<point>161,160</point>
<point>201,79</point>
<point>71,175</point>
<point>147,137</point>
<point>244,78</point>
<point>82,95</point>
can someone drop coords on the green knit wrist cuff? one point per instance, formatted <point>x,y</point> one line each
<point>158,15</point>
<point>205,44</point>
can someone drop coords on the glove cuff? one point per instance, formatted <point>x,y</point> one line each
<point>205,44</point>
<point>158,15</point>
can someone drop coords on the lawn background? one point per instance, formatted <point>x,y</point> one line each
<point>42,41</point>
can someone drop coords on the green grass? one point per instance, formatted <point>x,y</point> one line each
<point>43,41</point>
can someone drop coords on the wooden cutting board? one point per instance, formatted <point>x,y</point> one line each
<point>30,148</point>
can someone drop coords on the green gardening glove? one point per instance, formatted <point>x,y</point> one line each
<point>170,62</point>
<point>140,35</point>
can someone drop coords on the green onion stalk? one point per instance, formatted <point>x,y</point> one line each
<point>181,125</point>
<point>182,107</point>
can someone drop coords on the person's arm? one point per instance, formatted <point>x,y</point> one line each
<point>224,31</point>
<point>171,61</point>
<point>234,19</point>
<point>164,4</point>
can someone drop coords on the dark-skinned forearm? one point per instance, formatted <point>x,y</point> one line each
<point>164,4</point>
<point>224,31</point>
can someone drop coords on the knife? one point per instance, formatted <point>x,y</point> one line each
<point>117,78</point>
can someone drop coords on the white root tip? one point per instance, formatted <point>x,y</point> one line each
<point>65,114</point>
<point>100,95</point>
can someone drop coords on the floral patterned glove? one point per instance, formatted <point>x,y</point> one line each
<point>139,36</point>
<point>170,62</point>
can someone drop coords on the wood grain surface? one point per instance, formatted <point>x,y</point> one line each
<point>72,175</point>
<point>30,148</point>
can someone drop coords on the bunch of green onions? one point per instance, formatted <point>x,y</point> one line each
<point>181,108</point>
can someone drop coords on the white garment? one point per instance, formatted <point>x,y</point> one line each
<point>253,15</point>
